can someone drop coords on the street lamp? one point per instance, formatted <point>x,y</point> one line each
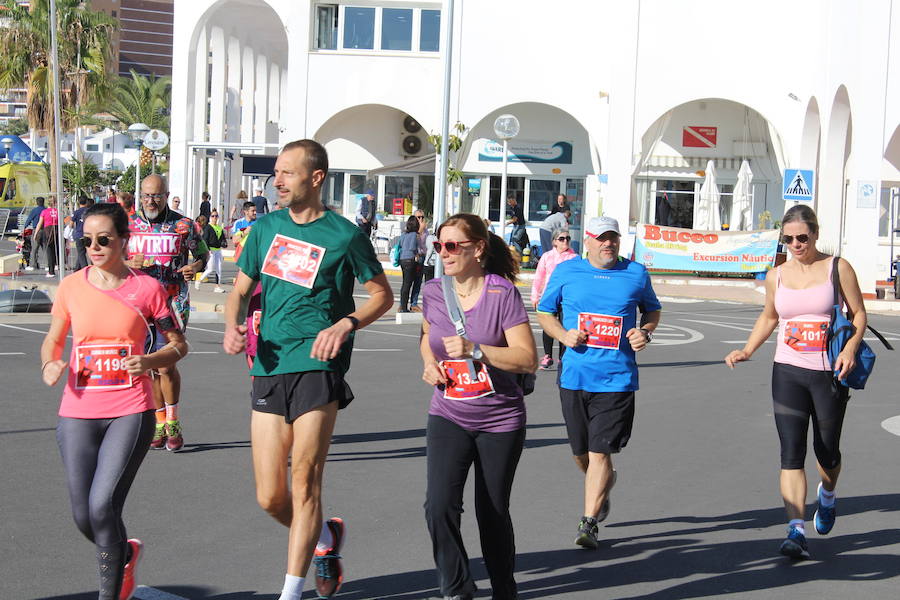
<point>506,127</point>
<point>8,144</point>
<point>137,132</point>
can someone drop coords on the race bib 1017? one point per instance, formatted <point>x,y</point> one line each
<point>806,336</point>
<point>294,261</point>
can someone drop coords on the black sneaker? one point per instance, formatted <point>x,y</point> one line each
<point>587,533</point>
<point>794,544</point>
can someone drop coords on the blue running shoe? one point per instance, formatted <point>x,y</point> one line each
<point>825,515</point>
<point>795,544</point>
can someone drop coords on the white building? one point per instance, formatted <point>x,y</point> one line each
<point>108,149</point>
<point>604,91</point>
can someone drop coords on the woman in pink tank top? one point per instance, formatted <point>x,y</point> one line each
<point>799,300</point>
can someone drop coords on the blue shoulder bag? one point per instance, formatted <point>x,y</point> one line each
<point>840,330</point>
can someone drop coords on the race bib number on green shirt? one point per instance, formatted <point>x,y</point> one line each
<point>603,331</point>
<point>294,261</point>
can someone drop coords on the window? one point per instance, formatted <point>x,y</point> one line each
<point>333,192</point>
<point>396,29</point>
<point>430,31</point>
<point>542,195</point>
<point>359,28</point>
<point>396,187</point>
<point>359,187</point>
<point>92,147</point>
<point>514,185</point>
<point>884,220</point>
<point>106,146</point>
<point>326,26</point>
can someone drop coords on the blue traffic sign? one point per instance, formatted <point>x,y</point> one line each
<point>798,184</point>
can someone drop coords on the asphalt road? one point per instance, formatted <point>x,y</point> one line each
<point>696,511</point>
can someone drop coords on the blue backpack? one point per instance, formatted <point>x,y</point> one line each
<point>840,330</point>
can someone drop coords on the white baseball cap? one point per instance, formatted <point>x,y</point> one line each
<point>597,226</point>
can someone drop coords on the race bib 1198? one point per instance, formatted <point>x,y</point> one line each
<point>603,331</point>
<point>101,367</point>
<point>294,261</point>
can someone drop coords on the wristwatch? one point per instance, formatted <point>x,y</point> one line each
<point>477,354</point>
<point>648,336</point>
<point>355,322</point>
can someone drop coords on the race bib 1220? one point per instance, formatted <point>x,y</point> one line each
<point>603,331</point>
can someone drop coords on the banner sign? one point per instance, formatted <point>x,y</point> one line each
<point>525,152</point>
<point>671,248</point>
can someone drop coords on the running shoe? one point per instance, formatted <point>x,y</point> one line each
<point>546,362</point>
<point>159,437</point>
<point>218,290</point>
<point>587,533</point>
<point>129,576</point>
<point>415,308</point>
<point>825,515</point>
<point>329,571</point>
<point>196,284</point>
<point>604,508</point>
<point>794,544</point>
<point>174,441</point>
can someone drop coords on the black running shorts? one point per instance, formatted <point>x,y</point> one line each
<point>597,421</point>
<point>294,394</point>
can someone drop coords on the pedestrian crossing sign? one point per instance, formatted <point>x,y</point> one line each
<point>798,185</point>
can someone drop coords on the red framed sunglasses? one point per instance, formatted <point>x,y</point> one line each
<point>452,247</point>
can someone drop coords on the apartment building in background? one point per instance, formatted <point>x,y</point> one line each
<point>144,40</point>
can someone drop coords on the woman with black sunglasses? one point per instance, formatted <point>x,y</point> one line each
<point>799,299</point>
<point>477,411</point>
<point>106,417</point>
<point>559,253</point>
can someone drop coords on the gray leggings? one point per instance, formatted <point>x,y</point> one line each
<point>101,458</point>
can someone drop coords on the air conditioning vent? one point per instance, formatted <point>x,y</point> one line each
<point>410,125</point>
<point>412,145</point>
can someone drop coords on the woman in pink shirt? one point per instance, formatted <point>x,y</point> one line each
<point>799,299</point>
<point>106,417</point>
<point>46,232</point>
<point>560,252</point>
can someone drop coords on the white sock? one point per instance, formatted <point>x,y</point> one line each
<point>293,588</point>
<point>798,523</point>
<point>326,540</point>
<point>826,498</point>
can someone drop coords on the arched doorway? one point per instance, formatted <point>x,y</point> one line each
<point>832,195</point>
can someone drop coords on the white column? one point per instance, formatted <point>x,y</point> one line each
<point>201,67</point>
<point>197,179</point>
<point>217,85</point>
<point>233,91</point>
<point>260,100</point>
<point>274,93</point>
<point>248,81</point>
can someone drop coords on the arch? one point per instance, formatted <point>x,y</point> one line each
<point>831,196</point>
<point>811,136</point>
<point>892,150</point>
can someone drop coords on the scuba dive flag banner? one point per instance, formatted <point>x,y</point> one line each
<point>671,248</point>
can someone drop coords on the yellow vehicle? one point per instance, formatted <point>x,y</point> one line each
<point>21,183</point>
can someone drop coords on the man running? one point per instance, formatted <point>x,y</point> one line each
<point>306,258</point>
<point>598,298</point>
<point>161,240</point>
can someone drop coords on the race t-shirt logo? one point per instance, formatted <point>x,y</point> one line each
<point>160,248</point>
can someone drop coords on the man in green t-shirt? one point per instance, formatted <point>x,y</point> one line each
<point>306,258</point>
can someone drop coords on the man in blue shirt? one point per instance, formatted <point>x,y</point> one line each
<point>260,202</point>
<point>241,227</point>
<point>599,299</point>
<point>33,217</point>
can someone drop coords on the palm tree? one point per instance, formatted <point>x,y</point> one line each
<point>85,53</point>
<point>140,99</point>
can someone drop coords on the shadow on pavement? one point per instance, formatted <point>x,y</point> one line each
<point>190,448</point>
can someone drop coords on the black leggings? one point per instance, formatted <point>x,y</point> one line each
<point>409,268</point>
<point>101,458</point>
<point>799,394</point>
<point>451,452</point>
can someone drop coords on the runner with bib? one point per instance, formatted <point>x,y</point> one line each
<point>477,413</point>
<point>799,300</point>
<point>306,258</point>
<point>160,245</point>
<point>106,414</point>
<point>599,299</point>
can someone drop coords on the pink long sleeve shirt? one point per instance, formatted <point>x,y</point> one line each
<point>545,267</point>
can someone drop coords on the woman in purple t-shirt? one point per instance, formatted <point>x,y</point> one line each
<point>477,412</point>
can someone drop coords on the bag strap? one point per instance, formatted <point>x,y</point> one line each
<point>457,316</point>
<point>835,278</point>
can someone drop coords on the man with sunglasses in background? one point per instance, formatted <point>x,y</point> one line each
<point>599,299</point>
<point>161,244</point>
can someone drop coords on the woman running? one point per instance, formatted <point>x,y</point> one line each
<point>477,412</point>
<point>799,297</point>
<point>106,417</point>
<point>560,252</point>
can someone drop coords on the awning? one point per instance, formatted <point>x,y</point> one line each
<point>406,165</point>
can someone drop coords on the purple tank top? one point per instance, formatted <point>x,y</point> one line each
<point>803,318</point>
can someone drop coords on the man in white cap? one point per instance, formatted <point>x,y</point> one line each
<point>599,299</point>
<point>260,201</point>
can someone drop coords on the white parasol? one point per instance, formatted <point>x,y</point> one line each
<point>706,207</point>
<point>741,213</point>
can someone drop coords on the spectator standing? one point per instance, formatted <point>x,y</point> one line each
<point>515,219</point>
<point>419,214</point>
<point>557,220</point>
<point>561,204</point>
<point>30,223</point>
<point>409,254</point>
<point>46,232</point>
<point>175,203</point>
<point>205,206</point>
<point>365,214</point>
<point>260,201</point>
<point>214,236</point>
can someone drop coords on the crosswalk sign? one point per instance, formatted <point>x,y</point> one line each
<point>798,185</point>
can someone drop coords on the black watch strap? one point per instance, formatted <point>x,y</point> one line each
<point>353,320</point>
<point>647,335</point>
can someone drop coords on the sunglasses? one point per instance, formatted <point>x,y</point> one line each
<point>452,247</point>
<point>787,240</point>
<point>563,238</point>
<point>104,240</point>
<point>153,196</point>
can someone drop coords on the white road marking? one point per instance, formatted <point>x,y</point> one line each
<point>206,330</point>
<point>892,425</point>
<point>144,592</point>
<point>377,349</point>
<point>24,329</point>
<point>203,352</point>
<point>12,354</point>
<point>717,324</point>
<point>744,342</point>
<point>387,333</point>
<point>665,330</point>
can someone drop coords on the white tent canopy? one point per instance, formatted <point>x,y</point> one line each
<point>741,211</point>
<point>706,207</point>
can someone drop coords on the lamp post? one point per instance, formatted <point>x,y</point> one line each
<point>137,132</point>
<point>506,127</point>
<point>8,144</point>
